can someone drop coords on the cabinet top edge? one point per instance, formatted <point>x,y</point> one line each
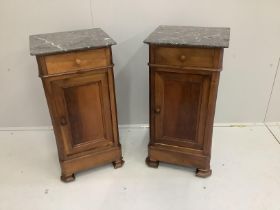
<point>60,42</point>
<point>190,36</point>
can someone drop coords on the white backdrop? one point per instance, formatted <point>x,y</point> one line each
<point>249,64</point>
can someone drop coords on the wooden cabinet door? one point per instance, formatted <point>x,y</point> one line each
<point>180,107</point>
<point>83,112</point>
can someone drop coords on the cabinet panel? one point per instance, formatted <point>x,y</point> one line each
<point>83,108</point>
<point>180,106</point>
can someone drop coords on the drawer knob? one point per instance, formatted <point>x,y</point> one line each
<point>63,121</point>
<point>157,110</point>
<point>78,61</point>
<point>183,57</point>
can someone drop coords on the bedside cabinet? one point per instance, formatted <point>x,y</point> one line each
<point>185,65</point>
<point>77,73</point>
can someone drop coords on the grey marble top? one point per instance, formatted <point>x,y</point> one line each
<point>69,41</point>
<point>190,36</point>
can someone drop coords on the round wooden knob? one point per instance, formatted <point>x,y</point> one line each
<point>157,110</point>
<point>78,61</point>
<point>63,121</point>
<point>183,57</point>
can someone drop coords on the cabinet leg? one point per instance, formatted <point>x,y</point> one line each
<point>67,177</point>
<point>152,163</point>
<point>118,163</point>
<point>203,172</point>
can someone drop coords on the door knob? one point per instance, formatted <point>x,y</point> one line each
<point>157,110</point>
<point>63,121</point>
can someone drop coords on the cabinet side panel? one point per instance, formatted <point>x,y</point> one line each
<point>211,112</point>
<point>151,95</point>
<point>113,106</point>
<point>51,106</point>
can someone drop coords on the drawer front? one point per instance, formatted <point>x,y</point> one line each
<point>75,61</point>
<point>189,57</point>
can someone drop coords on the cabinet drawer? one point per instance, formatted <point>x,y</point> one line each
<point>191,57</point>
<point>74,61</point>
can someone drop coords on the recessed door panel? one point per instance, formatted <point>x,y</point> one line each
<point>83,108</point>
<point>85,111</point>
<point>179,108</point>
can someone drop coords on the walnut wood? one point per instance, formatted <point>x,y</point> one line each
<point>117,164</point>
<point>203,173</point>
<point>191,57</point>
<point>73,61</point>
<point>80,91</point>
<point>68,178</point>
<point>152,163</point>
<point>183,91</point>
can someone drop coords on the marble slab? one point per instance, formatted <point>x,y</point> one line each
<point>51,43</point>
<point>190,36</point>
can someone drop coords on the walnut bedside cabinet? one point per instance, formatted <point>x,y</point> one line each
<point>185,65</point>
<point>77,73</point>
